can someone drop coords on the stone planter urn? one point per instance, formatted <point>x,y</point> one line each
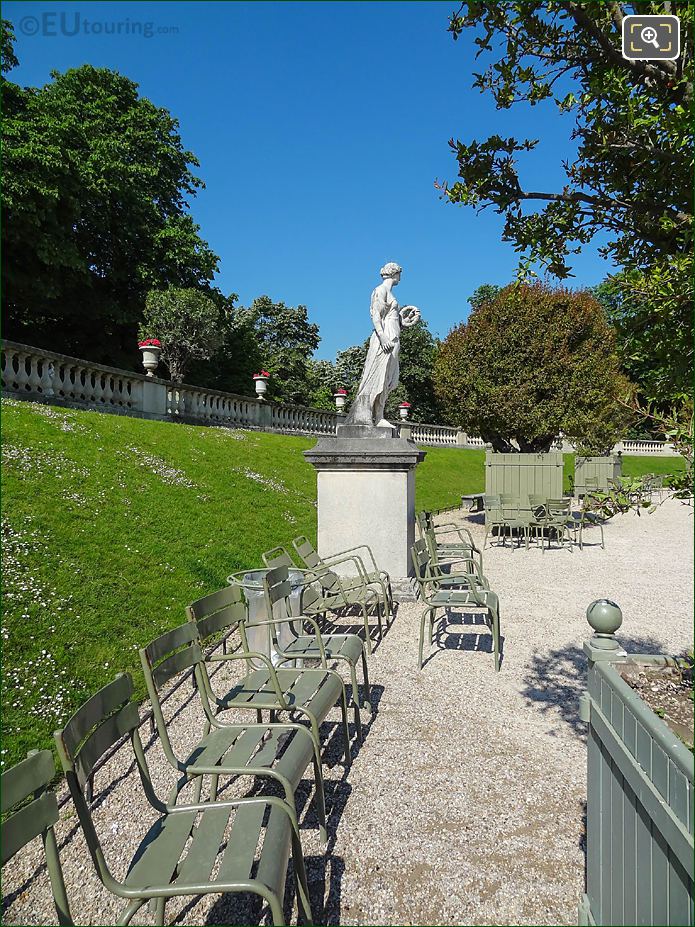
<point>151,349</point>
<point>404,410</point>
<point>340,396</point>
<point>261,381</point>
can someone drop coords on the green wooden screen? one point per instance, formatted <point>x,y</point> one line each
<point>639,865</point>
<point>600,469</point>
<point>522,475</point>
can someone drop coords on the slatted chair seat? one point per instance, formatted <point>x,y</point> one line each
<point>166,861</point>
<point>482,597</point>
<point>348,646</point>
<point>279,752</point>
<point>308,693</point>
<point>257,746</point>
<point>245,842</point>
<point>311,690</point>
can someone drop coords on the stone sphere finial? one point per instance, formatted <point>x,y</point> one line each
<point>604,616</point>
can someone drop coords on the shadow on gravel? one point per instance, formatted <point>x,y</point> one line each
<point>449,634</point>
<point>557,678</point>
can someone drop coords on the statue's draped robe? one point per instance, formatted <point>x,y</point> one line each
<point>380,374</point>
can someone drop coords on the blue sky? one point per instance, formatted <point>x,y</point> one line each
<point>320,128</point>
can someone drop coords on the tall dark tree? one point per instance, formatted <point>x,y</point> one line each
<point>96,190</point>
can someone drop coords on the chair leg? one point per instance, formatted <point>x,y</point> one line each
<point>159,912</point>
<point>320,797</point>
<point>422,636</point>
<point>303,903</point>
<point>346,728</point>
<point>356,701</point>
<point>432,614</point>
<point>366,702</point>
<point>276,911</point>
<point>367,632</point>
<point>128,912</point>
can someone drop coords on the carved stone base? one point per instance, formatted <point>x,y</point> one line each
<point>366,495</point>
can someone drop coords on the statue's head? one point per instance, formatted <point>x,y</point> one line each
<point>392,271</point>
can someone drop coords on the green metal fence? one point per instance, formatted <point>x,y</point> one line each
<point>521,475</point>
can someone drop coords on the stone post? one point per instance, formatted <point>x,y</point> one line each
<point>154,398</point>
<point>461,438</point>
<point>366,495</point>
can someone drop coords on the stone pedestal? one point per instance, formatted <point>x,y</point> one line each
<point>366,495</point>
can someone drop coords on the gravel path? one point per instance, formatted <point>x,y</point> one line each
<point>465,803</point>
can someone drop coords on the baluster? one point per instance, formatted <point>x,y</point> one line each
<point>107,394</point>
<point>22,372</point>
<point>34,380</point>
<point>99,385</point>
<point>47,370</point>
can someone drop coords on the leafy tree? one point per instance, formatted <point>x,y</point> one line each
<point>322,382</point>
<point>419,350</point>
<point>96,188</point>
<point>655,352</point>
<point>632,174</point>
<point>530,364</point>
<point>268,335</point>
<point>417,354</point>
<point>186,321</point>
<point>484,294</point>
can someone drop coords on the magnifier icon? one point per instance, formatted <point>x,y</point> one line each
<point>648,36</point>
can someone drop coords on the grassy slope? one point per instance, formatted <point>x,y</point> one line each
<point>112,524</point>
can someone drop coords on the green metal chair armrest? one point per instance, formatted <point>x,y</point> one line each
<point>352,558</point>
<point>254,655</point>
<point>351,550</point>
<point>274,621</point>
<point>451,528</point>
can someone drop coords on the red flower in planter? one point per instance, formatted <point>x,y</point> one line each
<point>404,405</point>
<point>150,343</point>
<point>341,392</point>
<point>263,373</point>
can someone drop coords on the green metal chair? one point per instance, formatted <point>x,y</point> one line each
<point>494,518</point>
<point>560,521</point>
<point>588,519</point>
<point>316,601</point>
<point>277,752</point>
<point>446,549</point>
<point>466,564</point>
<point>29,810</point>
<point>437,597</point>
<point>308,693</point>
<point>246,842</point>
<point>370,572</point>
<point>347,591</point>
<point>343,648</point>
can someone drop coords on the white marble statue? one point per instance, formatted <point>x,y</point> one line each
<point>380,374</point>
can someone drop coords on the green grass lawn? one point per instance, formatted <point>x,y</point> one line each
<point>112,524</point>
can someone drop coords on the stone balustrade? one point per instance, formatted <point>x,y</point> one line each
<point>35,373</point>
<point>654,448</point>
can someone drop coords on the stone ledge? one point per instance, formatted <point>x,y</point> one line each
<point>364,454</point>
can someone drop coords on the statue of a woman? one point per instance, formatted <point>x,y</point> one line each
<point>380,374</point>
